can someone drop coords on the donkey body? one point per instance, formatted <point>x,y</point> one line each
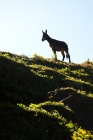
<point>56,45</point>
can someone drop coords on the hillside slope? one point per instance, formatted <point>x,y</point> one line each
<point>42,99</point>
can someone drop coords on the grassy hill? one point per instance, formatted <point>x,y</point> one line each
<point>45,100</point>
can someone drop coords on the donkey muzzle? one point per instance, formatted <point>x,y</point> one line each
<point>42,39</point>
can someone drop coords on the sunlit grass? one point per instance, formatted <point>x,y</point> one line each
<point>77,132</point>
<point>82,134</point>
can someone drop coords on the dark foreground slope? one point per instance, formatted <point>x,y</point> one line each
<point>43,100</point>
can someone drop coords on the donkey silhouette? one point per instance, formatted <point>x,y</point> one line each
<point>56,45</point>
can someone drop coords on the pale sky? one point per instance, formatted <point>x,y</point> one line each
<point>22,22</point>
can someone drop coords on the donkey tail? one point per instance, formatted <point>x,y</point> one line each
<point>67,55</point>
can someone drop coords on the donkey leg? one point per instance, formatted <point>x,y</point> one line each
<point>55,54</point>
<point>62,52</point>
<point>69,59</point>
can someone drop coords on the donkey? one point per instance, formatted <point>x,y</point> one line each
<point>56,45</point>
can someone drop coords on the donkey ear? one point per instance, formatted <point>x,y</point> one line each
<point>46,31</point>
<point>42,31</point>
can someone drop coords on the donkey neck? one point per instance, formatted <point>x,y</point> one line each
<point>49,39</point>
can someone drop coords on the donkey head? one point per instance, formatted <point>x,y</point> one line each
<point>44,37</point>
